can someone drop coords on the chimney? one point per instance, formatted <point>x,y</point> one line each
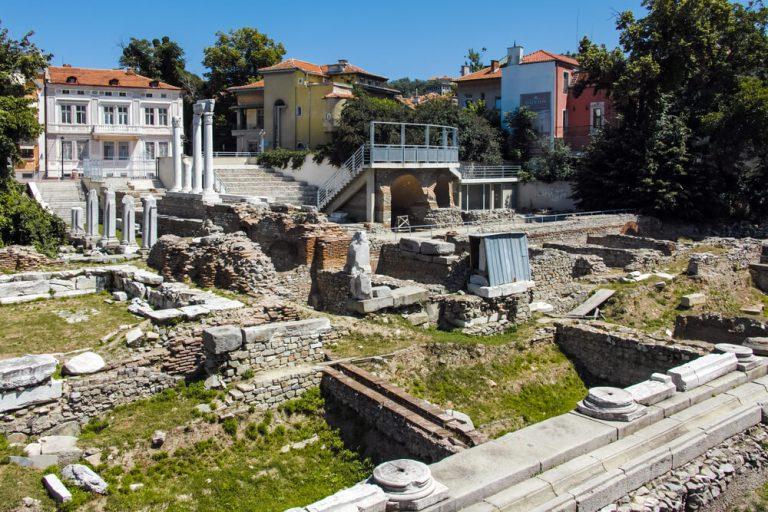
<point>66,65</point>
<point>515,54</point>
<point>343,62</point>
<point>494,66</point>
<point>464,70</point>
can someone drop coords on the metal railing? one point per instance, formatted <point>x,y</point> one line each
<point>98,170</point>
<point>346,173</point>
<point>235,153</point>
<point>414,154</point>
<point>472,171</point>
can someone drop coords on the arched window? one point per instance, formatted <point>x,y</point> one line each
<point>114,82</point>
<point>71,79</point>
<point>154,83</point>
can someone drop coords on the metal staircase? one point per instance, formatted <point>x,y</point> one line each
<point>348,171</point>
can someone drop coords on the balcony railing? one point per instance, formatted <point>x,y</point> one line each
<point>98,170</point>
<point>108,129</point>
<point>392,153</point>
<point>471,171</point>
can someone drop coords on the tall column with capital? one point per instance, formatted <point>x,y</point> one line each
<point>177,180</point>
<point>208,139</point>
<point>197,148</point>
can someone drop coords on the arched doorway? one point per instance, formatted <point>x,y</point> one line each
<point>443,191</point>
<point>408,198</point>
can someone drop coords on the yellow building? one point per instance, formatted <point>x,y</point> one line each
<point>297,103</point>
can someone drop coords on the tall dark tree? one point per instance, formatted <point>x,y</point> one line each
<point>474,59</point>
<point>22,220</point>
<point>684,81</point>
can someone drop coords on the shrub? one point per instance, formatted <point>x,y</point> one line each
<point>24,222</point>
<point>280,158</point>
<point>309,403</point>
<point>95,426</point>
<point>230,426</point>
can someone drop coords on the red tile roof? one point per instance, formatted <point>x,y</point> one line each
<point>340,94</point>
<point>259,84</point>
<point>483,74</point>
<point>103,77</point>
<point>545,56</point>
<point>289,64</point>
<point>348,68</point>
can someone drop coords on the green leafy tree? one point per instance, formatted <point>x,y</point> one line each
<point>555,163</point>
<point>474,59</point>
<point>236,57</point>
<point>22,220</point>
<point>687,85</point>
<point>162,59</point>
<point>521,136</point>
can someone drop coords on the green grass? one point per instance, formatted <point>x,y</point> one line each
<point>35,327</point>
<point>512,390</point>
<point>17,482</point>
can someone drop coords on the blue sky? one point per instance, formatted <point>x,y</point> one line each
<point>394,38</point>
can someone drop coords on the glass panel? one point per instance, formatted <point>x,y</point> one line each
<point>82,149</point>
<point>123,150</point>
<point>162,148</point>
<point>122,115</point>
<point>109,151</point>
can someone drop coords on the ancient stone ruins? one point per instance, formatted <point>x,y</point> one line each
<point>660,326</point>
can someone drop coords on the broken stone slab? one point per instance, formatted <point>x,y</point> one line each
<point>657,388</point>
<point>419,318</point>
<point>222,304</point>
<point>665,276</point>
<point>164,316</point>
<point>437,247</point>
<point>56,489</point>
<point>408,295</point>
<point>34,461</point>
<point>360,286</point>
<point>693,299</point>
<point>358,254</point>
<point>502,290</point>
<point>612,404</point>
<point>361,497</point>
<point>64,447</point>
<point>84,364</point>
<point>381,291</point>
<point>753,309</point>
<point>25,371</point>
<point>133,337</point>
<point>194,311</point>
<point>222,339</point>
<point>758,345</point>
<point>40,394</point>
<point>85,478</point>
<point>408,485</point>
<point>702,370</point>
<point>17,288</point>
<point>746,359</point>
<point>371,305</point>
<point>410,244</point>
<point>119,296</point>
<point>540,307</point>
<point>146,277</point>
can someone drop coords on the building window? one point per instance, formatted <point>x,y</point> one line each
<point>107,93</point>
<point>149,116</point>
<point>149,150</point>
<point>162,149</point>
<point>163,95</point>
<point>81,93</point>
<point>65,91</point>
<point>66,114</point>
<point>148,95</point>
<point>109,115</point>
<point>298,111</point>
<point>122,115</point>
<point>122,151</point>
<point>27,153</point>
<point>66,150</point>
<point>597,118</point>
<point>82,149</point>
<point>467,100</point>
<point>162,116</point>
<point>109,151</point>
<point>260,118</point>
<point>497,103</point>
<point>80,117</point>
<point>566,81</point>
<point>122,94</point>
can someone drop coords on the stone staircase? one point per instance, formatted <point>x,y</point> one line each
<point>62,196</point>
<point>256,181</point>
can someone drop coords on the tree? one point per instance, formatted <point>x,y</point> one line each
<point>555,163</point>
<point>162,59</point>
<point>22,220</point>
<point>688,86</point>
<point>236,57</point>
<point>474,59</point>
<point>521,135</point>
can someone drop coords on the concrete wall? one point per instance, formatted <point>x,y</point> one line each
<point>537,195</point>
<point>528,79</point>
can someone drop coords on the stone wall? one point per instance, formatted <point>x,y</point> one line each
<point>619,355</point>
<point>554,273</point>
<point>18,258</point>
<point>478,315</point>
<point>444,217</point>
<point>449,271</point>
<point>272,388</point>
<point>232,352</point>
<point>331,292</point>
<point>619,241</point>
<point>630,259</point>
<point>716,328</point>
<point>490,216</point>
<point>231,262</point>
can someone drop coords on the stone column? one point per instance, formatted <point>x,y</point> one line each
<point>92,214</point>
<point>208,138</point>
<point>187,163</point>
<point>177,185</point>
<point>149,224</point>
<point>128,241</point>
<point>197,148</point>
<point>76,229</point>
<point>109,218</point>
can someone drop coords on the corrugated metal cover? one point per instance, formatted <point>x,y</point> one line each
<point>507,258</point>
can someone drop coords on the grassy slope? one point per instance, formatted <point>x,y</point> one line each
<point>34,327</point>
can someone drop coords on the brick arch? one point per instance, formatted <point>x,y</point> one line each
<point>408,198</point>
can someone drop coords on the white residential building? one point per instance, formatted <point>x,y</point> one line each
<point>105,122</point>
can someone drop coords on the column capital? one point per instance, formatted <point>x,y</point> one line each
<point>197,108</point>
<point>176,122</point>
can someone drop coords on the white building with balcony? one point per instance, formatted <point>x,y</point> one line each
<point>105,122</point>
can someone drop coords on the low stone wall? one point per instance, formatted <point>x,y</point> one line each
<point>232,352</point>
<point>620,355</point>
<point>270,389</point>
<point>633,259</point>
<point>619,241</point>
<point>443,217</point>
<point>554,273</point>
<point>478,313</point>
<point>485,216</point>
<point>716,328</point>
<point>450,271</point>
<point>19,258</point>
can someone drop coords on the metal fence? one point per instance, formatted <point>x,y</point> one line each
<point>98,170</point>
